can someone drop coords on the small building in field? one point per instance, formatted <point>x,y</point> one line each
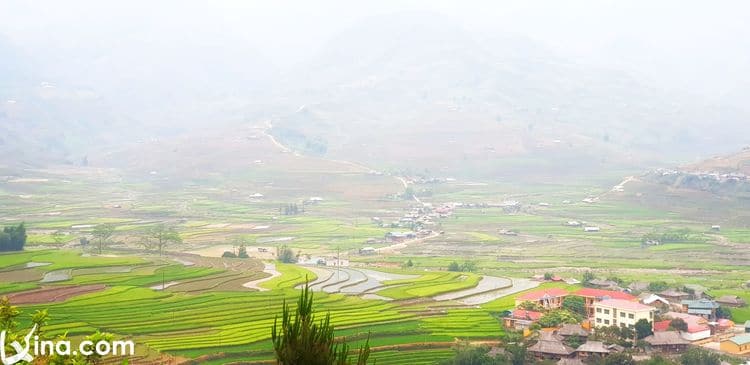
<point>591,229</point>
<point>548,298</point>
<point>667,341</point>
<point>619,312</point>
<point>747,326</point>
<point>367,251</point>
<point>737,345</point>
<point>399,236</point>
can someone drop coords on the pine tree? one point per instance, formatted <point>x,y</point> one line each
<point>298,339</point>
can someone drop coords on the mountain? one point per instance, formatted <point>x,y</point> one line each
<point>416,91</point>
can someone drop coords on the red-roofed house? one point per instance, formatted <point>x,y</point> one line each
<point>662,326</point>
<point>698,328</point>
<point>620,312</point>
<point>548,298</point>
<point>591,296</point>
<point>520,319</point>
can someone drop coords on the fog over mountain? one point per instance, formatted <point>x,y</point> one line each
<point>438,86</point>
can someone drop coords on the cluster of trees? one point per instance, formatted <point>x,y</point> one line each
<point>241,253</point>
<point>467,266</point>
<point>290,209</point>
<point>678,235</point>
<point>13,238</point>
<point>624,336</point>
<point>286,255</point>
<point>298,338</point>
<point>558,317</point>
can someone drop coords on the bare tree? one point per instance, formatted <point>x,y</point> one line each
<point>102,233</point>
<point>161,236</point>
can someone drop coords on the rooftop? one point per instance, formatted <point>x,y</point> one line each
<point>741,339</point>
<point>666,338</point>
<point>542,294</point>
<point>605,294</point>
<point>624,305</point>
<point>525,314</point>
<point>700,304</point>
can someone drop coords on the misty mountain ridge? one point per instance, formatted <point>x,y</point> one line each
<point>402,91</point>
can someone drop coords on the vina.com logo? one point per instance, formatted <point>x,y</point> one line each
<point>33,347</point>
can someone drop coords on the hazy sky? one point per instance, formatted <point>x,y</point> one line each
<point>673,41</point>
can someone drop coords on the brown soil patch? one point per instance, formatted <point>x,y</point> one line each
<point>52,294</point>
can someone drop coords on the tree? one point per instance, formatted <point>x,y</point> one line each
<point>297,339</point>
<point>587,277</point>
<point>469,266</point>
<point>643,328</point>
<point>548,276</point>
<point>699,356</point>
<point>409,263</point>
<point>229,254</point>
<point>13,238</point>
<point>286,255</point>
<point>530,306</point>
<point>575,304</point>
<point>242,252</point>
<point>161,236</point>
<point>454,266</point>
<point>557,317</point>
<point>619,358</point>
<point>658,286</point>
<point>723,312</point>
<point>102,233</point>
<point>678,324</point>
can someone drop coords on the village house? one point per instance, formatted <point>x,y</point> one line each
<point>737,345</point>
<point>619,312</point>
<point>655,301</point>
<point>570,330</point>
<point>731,301</point>
<point>367,251</point>
<point>705,308</point>
<point>667,341</point>
<point>596,348</point>
<point>604,284</point>
<point>674,296</point>
<point>698,327</point>
<point>521,319</point>
<point>399,236</point>
<point>549,298</point>
<point>592,295</point>
<point>550,346</point>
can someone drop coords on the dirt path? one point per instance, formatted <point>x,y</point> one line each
<point>268,268</point>
<point>394,248</point>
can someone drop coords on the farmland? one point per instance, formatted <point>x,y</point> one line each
<point>193,304</point>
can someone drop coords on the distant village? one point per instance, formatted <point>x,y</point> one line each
<point>604,318</point>
<point>700,180</point>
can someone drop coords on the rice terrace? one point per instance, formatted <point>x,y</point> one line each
<point>393,184</point>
